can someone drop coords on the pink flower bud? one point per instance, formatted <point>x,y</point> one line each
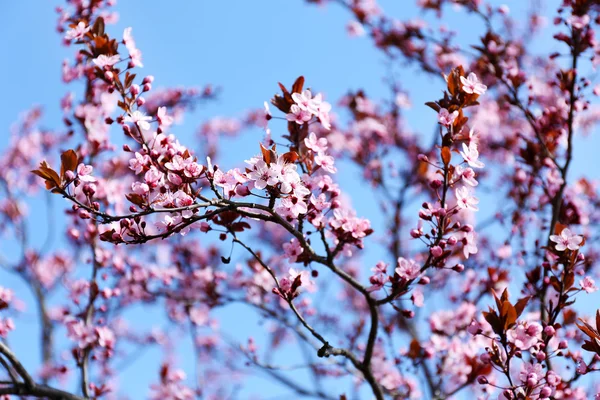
<point>435,184</point>
<point>422,157</point>
<point>482,380</point>
<point>140,101</point>
<point>545,392</point>
<point>458,268</point>
<point>549,331</point>
<point>148,79</point>
<point>563,344</point>
<point>134,89</point>
<point>424,280</point>
<point>436,251</point>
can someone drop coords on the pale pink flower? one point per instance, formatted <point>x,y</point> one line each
<point>317,145</point>
<point>84,173</point>
<point>407,269</point>
<point>164,119</point>
<point>466,174</point>
<point>469,245</point>
<point>566,240</point>
<point>293,249</point>
<point>588,284</point>
<point>106,61</point>
<point>531,373</point>
<point>78,32</point>
<point>472,85</point>
<point>525,335</point>
<point>298,115</point>
<point>138,163</point>
<point>326,162</point>
<point>465,200</point>
<point>303,100</point>
<point>139,118</point>
<point>323,114</point>
<point>446,118</point>
<point>262,175</point>
<point>106,337</point>
<point>355,29</point>
<point>579,21</point>
<point>471,155</point>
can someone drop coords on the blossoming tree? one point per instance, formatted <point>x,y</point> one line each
<point>453,306</point>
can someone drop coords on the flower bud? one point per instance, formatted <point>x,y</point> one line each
<point>435,184</point>
<point>482,380</point>
<point>563,344</point>
<point>436,251</point>
<point>458,268</point>
<point>415,233</point>
<point>549,331</point>
<point>134,89</point>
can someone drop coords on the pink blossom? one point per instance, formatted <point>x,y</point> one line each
<point>446,118</point>
<point>138,163</point>
<point>466,174</point>
<point>588,285</point>
<point>566,240</point>
<point>469,245</point>
<point>293,249</point>
<point>84,173</point>
<point>163,118</point>
<point>525,335</point>
<point>326,162</point>
<point>314,144</point>
<point>139,118</point>
<point>106,61</point>
<point>298,115</point>
<point>471,155</point>
<point>78,32</point>
<point>106,337</point>
<point>472,85</point>
<point>465,200</point>
<point>6,325</point>
<point>407,269</point>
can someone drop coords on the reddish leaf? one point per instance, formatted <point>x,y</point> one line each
<point>68,161</point>
<point>290,157</point>
<point>446,155</point>
<point>297,86</point>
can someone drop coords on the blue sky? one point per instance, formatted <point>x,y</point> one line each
<point>244,47</point>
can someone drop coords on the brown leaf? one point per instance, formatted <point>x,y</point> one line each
<point>290,157</point>
<point>509,314</point>
<point>298,84</point>
<point>269,155</point>
<point>98,27</point>
<point>68,162</point>
<point>48,174</point>
<point>446,155</point>
<point>129,79</point>
<point>521,304</point>
<point>135,198</point>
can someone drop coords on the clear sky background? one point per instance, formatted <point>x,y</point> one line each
<point>245,47</point>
